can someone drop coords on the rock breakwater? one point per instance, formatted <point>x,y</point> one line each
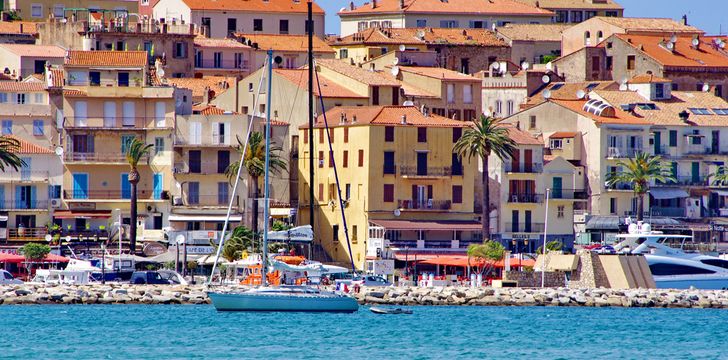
<point>102,294</point>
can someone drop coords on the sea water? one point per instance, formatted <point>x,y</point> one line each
<point>185,331</point>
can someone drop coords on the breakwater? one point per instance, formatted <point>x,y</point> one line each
<point>195,295</point>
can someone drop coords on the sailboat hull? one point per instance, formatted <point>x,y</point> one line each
<point>282,301</point>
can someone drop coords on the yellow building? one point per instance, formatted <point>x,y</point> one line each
<point>40,10</point>
<point>109,99</point>
<point>405,191</point>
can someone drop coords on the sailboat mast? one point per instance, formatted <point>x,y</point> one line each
<point>266,188</point>
<point>310,113</point>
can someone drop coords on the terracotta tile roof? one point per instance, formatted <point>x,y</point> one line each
<point>34,77</point>
<point>438,73</point>
<point>329,88</point>
<point>297,43</point>
<point>567,91</point>
<point>57,78</point>
<point>107,58</point>
<point>30,86</point>
<point>255,6</point>
<point>198,85</point>
<point>573,4</point>
<point>480,7</point>
<point>35,50</point>
<point>666,112</point>
<point>28,147</point>
<point>684,55</point>
<point>519,136</point>
<point>662,25</point>
<point>384,116</point>
<point>374,78</point>
<point>647,79</point>
<point>203,42</point>
<point>533,32</point>
<point>274,122</point>
<point>431,36</point>
<point>621,117</point>
<point>562,135</point>
<point>210,110</point>
<point>13,27</point>
<point>414,91</point>
<point>74,93</point>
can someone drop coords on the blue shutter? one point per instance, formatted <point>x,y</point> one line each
<point>157,186</point>
<point>2,197</point>
<point>33,197</point>
<point>80,186</point>
<point>19,197</point>
<point>125,186</point>
<point>25,169</point>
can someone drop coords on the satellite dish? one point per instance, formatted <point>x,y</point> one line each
<point>623,87</point>
<point>549,66</point>
<point>395,61</point>
<point>180,239</point>
<point>547,94</point>
<point>68,238</point>
<point>496,65</point>
<point>696,41</point>
<point>402,47</point>
<point>408,103</point>
<point>395,70</point>
<point>48,237</point>
<point>420,34</point>
<point>342,9</point>
<point>722,44</point>
<point>525,65</point>
<point>59,150</point>
<point>706,87</point>
<point>673,38</point>
<point>397,212</point>
<point>546,79</point>
<point>493,27</point>
<point>580,94</point>
<point>670,46</point>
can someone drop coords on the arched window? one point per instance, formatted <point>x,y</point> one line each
<point>587,38</point>
<point>600,36</point>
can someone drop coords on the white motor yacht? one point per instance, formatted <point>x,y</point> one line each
<point>673,267</point>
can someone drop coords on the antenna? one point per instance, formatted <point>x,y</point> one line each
<point>706,87</point>
<point>547,94</point>
<point>402,47</point>
<point>395,70</point>
<point>580,94</point>
<point>525,65</point>
<point>395,61</point>
<point>546,79</point>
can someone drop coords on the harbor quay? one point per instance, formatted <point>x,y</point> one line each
<point>38,294</point>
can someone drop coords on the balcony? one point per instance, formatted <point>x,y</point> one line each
<point>523,228</point>
<point>568,194</point>
<point>424,172</point>
<point>134,88</point>
<point>27,234</point>
<point>142,194</point>
<point>620,153</point>
<point>525,198</point>
<point>409,204</point>
<point>217,141</point>
<point>24,205</point>
<point>527,168</point>
<point>216,201</point>
<point>25,176</point>
<point>667,211</point>
<point>211,64</point>
<point>204,168</point>
<point>621,187</point>
<point>100,158</point>
<point>117,123</point>
<point>32,110</point>
<point>686,180</point>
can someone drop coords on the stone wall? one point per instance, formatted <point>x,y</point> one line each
<point>533,278</point>
<point>589,272</point>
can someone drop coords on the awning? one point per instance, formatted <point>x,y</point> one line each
<point>82,214</point>
<point>3,218</point>
<point>721,192</point>
<point>462,261</point>
<point>417,256</point>
<point>668,193</point>
<point>428,225</point>
<point>178,217</point>
<point>17,259</point>
<point>280,212</point>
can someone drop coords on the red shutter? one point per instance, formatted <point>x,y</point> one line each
<point>527,160</point>
<point>305,136</point>
<point>321,192</point>
<point>388,192</point>
<point>321,159</point>
<point>321,135</point>
<point>346,134</point>
<point>515,160</point>
<point>429,191</point>
<point>331,159</point>
<point>331,134</point>
<point>346,158</point>
<point>361,158</point>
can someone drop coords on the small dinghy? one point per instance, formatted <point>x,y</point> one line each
<point>393,311</point>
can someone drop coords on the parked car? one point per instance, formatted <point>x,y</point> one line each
<point>173,277</point>
<point>7,278</point>
<point>606,249</point>
<point>148,277</point>
<point>371,280</point>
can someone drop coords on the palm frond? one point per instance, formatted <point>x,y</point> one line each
<point>9,148</point>
<point>135,151</point>
<point>487,136</point>
<point>640,171</point>
<point>254,160</point>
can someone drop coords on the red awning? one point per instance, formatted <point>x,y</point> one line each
<point>55,258</point>
<point>11,258</point>
<point>82,214</point>
<point>462,261</point>
<point>418,256</point>
<point>443,225</point>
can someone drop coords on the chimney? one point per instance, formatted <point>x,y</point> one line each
<point>353,119</point>
<point>343,119</point>
<point>401,4</point>
<point>21,28</point>
<point>685,19</point>
<point>206,95</point>
<point>404,119</point>
<point>374,4</point>
<point>684,115</point>
<point>351,5</point>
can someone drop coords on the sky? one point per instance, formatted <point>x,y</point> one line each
<point>708,15</point>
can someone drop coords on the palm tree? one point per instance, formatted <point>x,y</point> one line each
<point>254,164</point>
<point>720,177</point>
<point>8,153</point>
<point>135,151</point>
<point>487,136</point>
<point>639,172</point>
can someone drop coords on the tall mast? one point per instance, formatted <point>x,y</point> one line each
<point>266,188</point>
<point>310,113</point>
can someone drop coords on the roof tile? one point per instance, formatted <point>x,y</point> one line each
<point>431,36</point>
<point>31,86</point>
<point>27,147</point>
<point>329,88</point>
<point>684,54</point>
<point>35,50</point>
<point>357,73</point>
<point>481,7</point>
<point>533,32</point>
<point>198,85</point>
<point>265,6</point>
<point>297,43</point>
<point>384,116</point>
<point>13,27</point>
<point>107,58</point>
<point>573,4</point>
<point>438,73</point>
<point>202,41</point>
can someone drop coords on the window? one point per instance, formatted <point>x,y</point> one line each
<point>386,24</point>
<point>468,94</point>
<point>344,54</point>
<point>3,98</point>
<point>180,50</point>
<point>321,159</point>
<point>451,93</point>
<point>718,90</point>
<point>58,11</point>
<point>589,14</point>
<point>609,63</point>
<point>389,134</point>
<point>696,138</point>
<point>361,158</point>
<point>37,127</point>
<point>375,95</point>
<point>677,269</point>
<point>335,231</point>
<point>257,24</point>
<point>721,111</point>
<point>468,114</point>
<point>54,191</point>
<point>498,108</point>
<point>457,194</point>
<point>331,135</point>
<point>421,23</point>
<point>158,145</point>
<point>389,167</point>
<point>354,236</point>
<point>38,98</point>
<point>346,158</point>
<point>456,165</point>
<point>587,38</point>
<point>612,205</point>
<point>477,24</point>
<point>321,135</point>
<point>673,138</point>
<point>321,192</point>
<point>388,192</point>
<point>611,14</point>
<point>700,111</point>
<point>20,98</point>
<point>331,159</point>
<point>305,136</point>
<point>347,191</point>
<point>562,16</point>
<point>576,16</point>
<point>332,192</point>
<point>595,63</point>
<point>36,10</point>
<point>283,27</point>
<point>7,127</point>
<point>600,36</point>
<point>346,135</point>
<point>217,59</point>
<point>232,25</point>
<point>631,60</point>
<point>361,26</point>
<point>509,107</point>
<point>556,144</point>
<point>532,122</point>
<point>560,211</point>
<point>449,24</point>
<point>647,106</point>
<point>659,91</point>
<point>457,133</point>
<point>422,134</point>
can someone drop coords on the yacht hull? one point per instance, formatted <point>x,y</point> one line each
<point>254,301</point>
<point>666,282</point>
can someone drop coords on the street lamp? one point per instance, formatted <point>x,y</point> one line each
<point>181,240</point>
<point>103,262</point>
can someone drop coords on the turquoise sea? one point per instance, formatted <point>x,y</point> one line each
<point>199,332</point>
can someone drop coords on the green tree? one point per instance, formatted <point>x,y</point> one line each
<point>487,136</point>
<point>136,150</point>
<point>279,226</point>
<point>553,245</point>
<point>640,171</point>
<point>254,164</point>
<point>483,256</point>
<point>720,176</point>
<point>34,253</point>
<point>9,153</point>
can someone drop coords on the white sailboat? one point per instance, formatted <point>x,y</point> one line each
<point>277,298</point>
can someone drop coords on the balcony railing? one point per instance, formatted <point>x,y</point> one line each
<point>686,180</point>
<point>430,171</point>
<point>27,234</point>
<point>568,194</point>
<point>667,211</point>
<point>222,65</point>
<point>25,175</point>
<point>525,198</point>
<point>118,123</point>
<point>621,186</point>
<point>205,200</point>
<point>523,228</point>
<point>204,168</point>
<point>214,141</point>
<point>409,204</point>
<point>617,152</point>
<point>91,157</point>
<point>23,204</point>
<point>527,168</point>
<point>142,194</point>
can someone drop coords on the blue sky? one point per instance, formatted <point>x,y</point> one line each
<point>705,14</point>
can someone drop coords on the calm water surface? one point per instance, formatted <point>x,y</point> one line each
<point>176,332</point>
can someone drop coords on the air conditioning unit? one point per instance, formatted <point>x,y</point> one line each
<point>177,201</point>
<point>55,203</point>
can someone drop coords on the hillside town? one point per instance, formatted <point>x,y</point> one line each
<point>576,90</point>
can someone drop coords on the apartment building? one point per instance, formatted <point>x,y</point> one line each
<point>110,99</point>
<point>291,50</point>
<point>23,60</point>
<point>569,11</point>
<point>222,57</point>
<point>532,43</point>
<point>451,94</point>
<point>462,14</point>
<point>41,10</point>
<point>203,89</point>
<point>224,17</point>
<point>404,189</point>
<point>17,32</point>
<point>26,112</point>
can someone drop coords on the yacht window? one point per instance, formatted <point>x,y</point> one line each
<point>676,269</point>
<point>715,262</point>
<point>641,240</point>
